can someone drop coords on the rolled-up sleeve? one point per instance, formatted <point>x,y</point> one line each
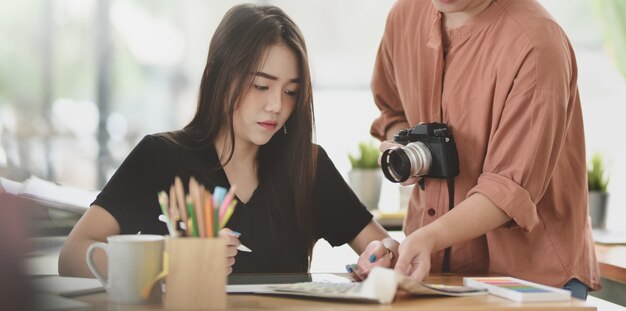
<point>526,140</point>
<point>510,197</point>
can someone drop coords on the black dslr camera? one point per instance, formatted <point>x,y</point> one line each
<point>429,150</point>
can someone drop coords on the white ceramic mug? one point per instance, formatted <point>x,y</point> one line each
<point>133,263</point>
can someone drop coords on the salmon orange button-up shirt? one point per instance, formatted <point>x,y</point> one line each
<point>506,84</point>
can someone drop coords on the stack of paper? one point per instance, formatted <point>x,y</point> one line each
<point>50,194</point>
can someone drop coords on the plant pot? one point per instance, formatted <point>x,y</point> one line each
<point>597,208</point>
<point>366,185</point>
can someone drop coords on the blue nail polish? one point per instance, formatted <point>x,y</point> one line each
<point>348,268</point>
<point>372,258</point>
<point>354,267</point>
<point>235,233</point>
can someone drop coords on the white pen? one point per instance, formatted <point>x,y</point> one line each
<point>243,248</point>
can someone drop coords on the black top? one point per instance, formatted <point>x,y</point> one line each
<point>131,197</point>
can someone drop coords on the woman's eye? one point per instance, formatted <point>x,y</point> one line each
<point>291,93</point>
<point>261,87</point>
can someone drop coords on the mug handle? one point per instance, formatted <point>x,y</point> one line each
<point>92,265</point>
<point>145,292</point>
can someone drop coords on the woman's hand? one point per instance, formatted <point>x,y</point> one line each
<point>375,255</point>
<point>471,218</point>
<point>414,256</point>
<point>232,241</point>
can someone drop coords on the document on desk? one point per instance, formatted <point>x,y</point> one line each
<point>380,287</point>
<point>50,194</point>
<point>251,283</point>
<point>66,286</point>
<point>48,302</point>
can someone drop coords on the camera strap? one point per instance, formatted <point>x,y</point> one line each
<point>445,267</point>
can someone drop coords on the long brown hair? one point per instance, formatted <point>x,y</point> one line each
<point>287,162</point>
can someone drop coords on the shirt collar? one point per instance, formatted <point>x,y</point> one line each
<point>477,23</point>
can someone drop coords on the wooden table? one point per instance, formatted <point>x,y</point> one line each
<point>402,302</point>
<point>612,263</point>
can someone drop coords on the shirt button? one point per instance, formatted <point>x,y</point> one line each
<point>432,212</point>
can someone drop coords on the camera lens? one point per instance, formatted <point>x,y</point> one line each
<point>398,164</point>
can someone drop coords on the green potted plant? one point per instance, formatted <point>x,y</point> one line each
<point>365,178</point>
<point>597,181</point>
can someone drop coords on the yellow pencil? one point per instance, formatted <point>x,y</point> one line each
<point>229,212</point>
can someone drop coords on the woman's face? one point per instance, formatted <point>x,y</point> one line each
<point>271,99</point>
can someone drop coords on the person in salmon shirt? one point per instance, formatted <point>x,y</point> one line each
<point>502,76</point>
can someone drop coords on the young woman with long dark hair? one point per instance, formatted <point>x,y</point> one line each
<point>253,127</point>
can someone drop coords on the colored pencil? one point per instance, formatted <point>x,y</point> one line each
<point>208,214</point>
<point>173,211</point>
<point>227,199</point>
<point>180,196</point>
<point>163,204</point>
<point>192,221</point>
<point>229,212</point>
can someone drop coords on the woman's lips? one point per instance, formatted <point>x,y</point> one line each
<point>268,125</point>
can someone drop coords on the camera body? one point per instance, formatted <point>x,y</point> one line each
<point>429,151</point>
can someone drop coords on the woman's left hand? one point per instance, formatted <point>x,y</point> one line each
<point>376,254</point>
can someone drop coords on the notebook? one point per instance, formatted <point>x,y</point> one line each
<point>518,290</point>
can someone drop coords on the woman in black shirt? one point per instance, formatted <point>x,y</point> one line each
<point>253,127</point>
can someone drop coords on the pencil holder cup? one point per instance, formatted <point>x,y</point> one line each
<point>196,277</point>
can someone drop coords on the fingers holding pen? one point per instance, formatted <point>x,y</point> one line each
<point>232,242</point>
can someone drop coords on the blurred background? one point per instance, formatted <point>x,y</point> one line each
<point>82,81</point>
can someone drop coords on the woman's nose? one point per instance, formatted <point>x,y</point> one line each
<point>274,102</point>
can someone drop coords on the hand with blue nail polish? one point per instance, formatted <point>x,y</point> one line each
<point>376,254</point>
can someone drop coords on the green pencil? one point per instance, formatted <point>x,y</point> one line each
<point>192,216</point>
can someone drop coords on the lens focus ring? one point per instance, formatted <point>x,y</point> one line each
<point>400,163</point>
<point>420,157</point>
